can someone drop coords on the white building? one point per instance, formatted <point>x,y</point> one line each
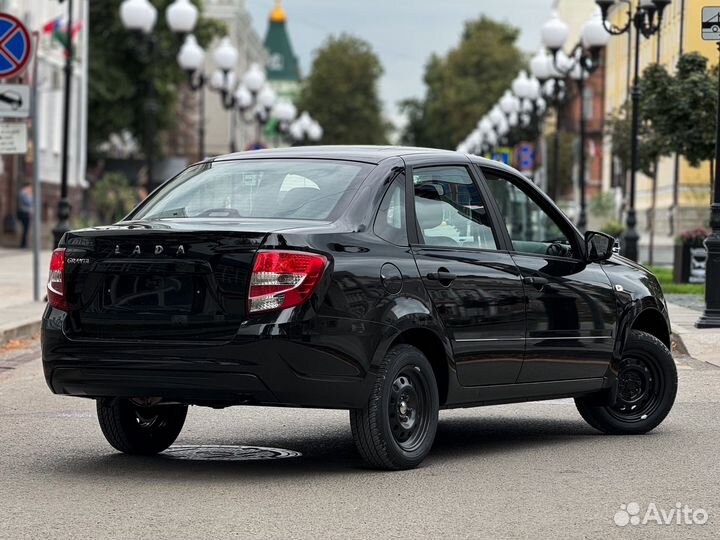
<point>218,120</point>
<point>51,60</point>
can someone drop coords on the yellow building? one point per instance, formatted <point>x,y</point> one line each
<point>682,193</point>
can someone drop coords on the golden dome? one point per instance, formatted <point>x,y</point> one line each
<point>277,15</point>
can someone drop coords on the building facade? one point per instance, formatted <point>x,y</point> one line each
<point>223,128</point>
<point>679,198</point>
<point>575,13</point>
<point>17,169</point>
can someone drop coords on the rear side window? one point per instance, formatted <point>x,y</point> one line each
<point>390,220</point>
<point>450,210</point>
<point>278,188</point>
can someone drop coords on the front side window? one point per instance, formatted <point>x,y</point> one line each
<point>278,188</point>
<point>450,210</point>
<point>531,229</point>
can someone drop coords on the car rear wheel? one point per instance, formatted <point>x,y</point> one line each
<point>135,429</point>
<point>646,389</point>
<point>396,428</point>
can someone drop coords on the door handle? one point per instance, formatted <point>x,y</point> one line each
<point>443,275</point>
<point>535,281</point>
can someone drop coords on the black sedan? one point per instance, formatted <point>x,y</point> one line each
<point>388,281</point>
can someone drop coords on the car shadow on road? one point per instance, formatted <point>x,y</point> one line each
<point>333,451</point>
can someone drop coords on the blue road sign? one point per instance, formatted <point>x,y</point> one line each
<point>14,46</point>
<point>527,157</point>
<point>502,155</point>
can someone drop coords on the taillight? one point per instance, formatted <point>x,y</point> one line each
<point>282,279</point>
<point>56,280</point>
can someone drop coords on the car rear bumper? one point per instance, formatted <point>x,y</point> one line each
<point>326,363</point>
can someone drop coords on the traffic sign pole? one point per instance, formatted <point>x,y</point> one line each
<point>37,191</point>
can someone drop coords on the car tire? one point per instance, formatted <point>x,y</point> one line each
<point>396,427</point>
<point>133,429</point>
<point>647,386</point>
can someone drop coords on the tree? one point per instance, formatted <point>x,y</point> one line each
<point>651,145</point>
<point>119,74</point>
<point>341,92</point>
<point>688,119</point>
<point>463,85</point>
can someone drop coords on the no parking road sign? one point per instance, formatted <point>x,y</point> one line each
<point>14,46</point>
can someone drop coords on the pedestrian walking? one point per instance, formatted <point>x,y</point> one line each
<point>25,211</point>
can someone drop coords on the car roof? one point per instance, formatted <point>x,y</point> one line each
<point>367,154</point>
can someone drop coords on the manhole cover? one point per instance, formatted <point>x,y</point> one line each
<point>229,452</point>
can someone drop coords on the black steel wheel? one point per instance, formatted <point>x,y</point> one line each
<point>640,390</point>
<point>396,428</point>
<point>646,389</point>
<point>134,428</point>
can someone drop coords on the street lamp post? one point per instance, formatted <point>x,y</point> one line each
<point>646,25</point>
<point>190,59</point>
<point>553,89</point>
<point>711,316</point>
<point>139,16</point>
<point>63,212</point>
<point>582,62</point>
<point>305,130</point>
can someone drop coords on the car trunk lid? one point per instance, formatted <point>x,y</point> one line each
<point>161,280</point>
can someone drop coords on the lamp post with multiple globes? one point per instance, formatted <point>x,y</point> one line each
<point>582,62</point>
<point>140,16</point>
<point>647,21</point>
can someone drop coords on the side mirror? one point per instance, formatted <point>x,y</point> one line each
<point>598,246</point>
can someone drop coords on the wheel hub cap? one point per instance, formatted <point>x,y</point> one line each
<point>639,388</point>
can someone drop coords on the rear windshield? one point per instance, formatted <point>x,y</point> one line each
<point>278,188</point>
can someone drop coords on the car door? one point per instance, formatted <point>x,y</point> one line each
<point>474,284</point>
<point>571,310</point>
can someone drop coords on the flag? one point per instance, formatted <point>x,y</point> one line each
<point>58,28</point>
<point>50,26</point>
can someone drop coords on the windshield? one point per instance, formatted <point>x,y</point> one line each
<point>277,188</point>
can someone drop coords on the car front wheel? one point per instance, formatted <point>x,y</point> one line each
<point>135,429</point>
<point>646,389</point>
<point>396,427</point>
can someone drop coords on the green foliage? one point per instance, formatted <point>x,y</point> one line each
<point>463,85</point>
<point>677,114</point>
<point>119,74</point>
<point>565,164</point>
<point>690,110</point>
<point>613,227</point>
<point>651,144</point>
<point>602,206</point>
<point>114,197</point>
<point>341,92</point>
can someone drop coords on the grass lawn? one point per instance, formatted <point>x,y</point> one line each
<point>665,278</point>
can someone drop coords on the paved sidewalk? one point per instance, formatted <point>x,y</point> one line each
<point>701,344</point>
<point>19,315</point>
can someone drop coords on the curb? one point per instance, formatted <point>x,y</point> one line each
<point>23,330</point>
<point>679,344</point>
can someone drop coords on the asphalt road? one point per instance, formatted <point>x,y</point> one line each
<point>532,470</point>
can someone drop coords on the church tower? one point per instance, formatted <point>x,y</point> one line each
<point>283,71</point>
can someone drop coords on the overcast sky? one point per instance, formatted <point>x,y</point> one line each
<point>402,32</point>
